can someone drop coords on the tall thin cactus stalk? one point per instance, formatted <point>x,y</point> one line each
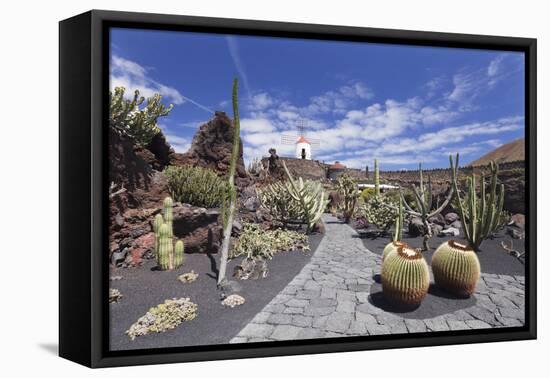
<point>479,217</point>
<point>347,187</point>
<point>398,233</point>
<point>376,178</point>
<point>423,195</point>
<point>230,210</point>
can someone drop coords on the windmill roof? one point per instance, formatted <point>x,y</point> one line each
<point>337,165</point>
<point>301,139</point>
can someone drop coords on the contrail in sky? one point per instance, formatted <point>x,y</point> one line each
<point>234,51</point>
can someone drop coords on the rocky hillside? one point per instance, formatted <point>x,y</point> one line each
<point>508,152</point>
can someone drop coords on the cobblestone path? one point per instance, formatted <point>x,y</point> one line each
<point>329,298</point>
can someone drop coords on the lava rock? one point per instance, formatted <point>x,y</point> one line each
<point>416,227</point>
<point>451,217</point>
<point>450,231</point>
<point>437,219</point>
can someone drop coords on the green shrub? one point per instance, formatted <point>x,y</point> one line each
<point>196,186</point>
<point>254,242</point>
<point>127,118</point>
<point>366,194</point>
<point>380,211</point>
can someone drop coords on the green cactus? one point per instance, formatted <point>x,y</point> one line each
<point>166,248</point>
<point>229,210</point>
<point>278,201</point>
<point>423,195</point>
<point>405,277</point>
<point>157,223</point>
<point>347,187</point>
<point>311,197</point>
<point>196,186</point>
<point>392,247</point>
<point>168,214</point>
<point>129,118</point>
<point>178,254</point>
<point>481,217</point>
<point>456,268</point>
<point>376,178</point>
<point>398,233</point>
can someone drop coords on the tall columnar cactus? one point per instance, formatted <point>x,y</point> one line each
<point>229,211</point>
<point>398,233</point>
<point>479,217</point>
<point>168,214</point>
<point>405,277</point>
<point>178,254</point>
<point>310,195</point>
<point>456,268</point>
<point>423,195</point>
<point>347,187</point>
<point>157,223</point>
<point>166,249</point>
<point>376,178</point>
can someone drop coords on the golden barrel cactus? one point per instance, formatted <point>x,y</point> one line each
<point>392,247</point>
<point>456,268</point>
<point>405,276</point>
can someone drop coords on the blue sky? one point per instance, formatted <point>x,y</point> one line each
<point>400,104</point>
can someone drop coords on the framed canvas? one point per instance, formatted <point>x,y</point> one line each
<point>235,188</point>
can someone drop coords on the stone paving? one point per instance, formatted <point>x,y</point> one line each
<point>329,298</point>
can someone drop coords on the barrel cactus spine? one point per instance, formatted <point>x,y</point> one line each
<point>168,214</point>
<point>405,277</point>
<point>456,268</point>
<point>178,254</point>
<point>165,249</point>
<point>392,247</point>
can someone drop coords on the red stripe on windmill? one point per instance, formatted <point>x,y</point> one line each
<point>303,144</point>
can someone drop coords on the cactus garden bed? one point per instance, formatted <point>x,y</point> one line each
<point>145,287</point>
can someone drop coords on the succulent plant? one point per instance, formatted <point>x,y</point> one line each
<point>280,204</point>
<point>127,118</point>
<point>178,254</point>
<point>405,277</point>
<point>168,214</point>
<point>347,187</point>
<point>310,196</point>
<point>398,233</point>
<point>392,247</point>
<point>165,253</point>
<point>456,268</point>
<point>380,211</point>
<point>481,217</point>
<point>230,198</point>
<point>423,195</point>
<point>196,186</point>
<point>376,178</point>
<point>157,223</point>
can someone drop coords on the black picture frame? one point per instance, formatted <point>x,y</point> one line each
<point>83,270</point>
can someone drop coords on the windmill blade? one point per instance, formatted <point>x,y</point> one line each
<point>289,139</point>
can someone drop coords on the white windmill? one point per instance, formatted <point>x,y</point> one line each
<point>303,144</point>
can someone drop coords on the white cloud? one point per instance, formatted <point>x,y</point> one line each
<point>233,47</point>
<point>260,125</point>
<point>131,75</point>
<point>179,144</point>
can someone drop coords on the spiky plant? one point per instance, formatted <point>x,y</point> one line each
<point>178,254</point>
<point>456,268</point>
<point>423,195</point>
<point>280,204</point>
<point>168,214</point>
<point>398,233</point>
<point>166,249</point>
<point>157,222</point>
<point>480,217</point>
<point>310,195</point>
<point>392,247</point>
<point>347,187</point>
<point>405,277</point>
<point>229,210</point>
<point>376,178</point>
